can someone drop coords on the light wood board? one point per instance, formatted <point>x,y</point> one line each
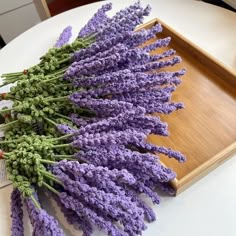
<point>205,131</point>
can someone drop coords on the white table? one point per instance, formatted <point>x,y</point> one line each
<point>208,207</point>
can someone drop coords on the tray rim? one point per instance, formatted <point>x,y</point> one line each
<point>182,184</point>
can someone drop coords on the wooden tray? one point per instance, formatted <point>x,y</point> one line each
<point>205,131</point>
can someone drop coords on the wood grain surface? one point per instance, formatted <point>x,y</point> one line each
<point>205,131</point>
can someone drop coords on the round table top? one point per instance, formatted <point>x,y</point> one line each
<point>209,206</point>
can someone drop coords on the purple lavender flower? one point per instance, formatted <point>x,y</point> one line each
<point>143,166</point>
<point>148,212</point>
<point>65,129</point>
<point>145,96</point>
<point>98,18</point>
<point>95,219</point>
<point>131,83</point>
<point>125,20</point>
<point>113,137</point>
<point>140,37</point>
<point>72,218</point>
<point>64,37</point>
<point>83,121</point>
<point>158,44</point>
<point>102,107</point>
<point>117,76</point>
<point>165,108</point>
<point>153,100</point>
<point>167,53</point>
<point>129,38</point>
<point>119,207</point>
<point>121,76</point>
<point>163,150</point>
<point>43,224</point>
<point>156,65</point>
<point>134,118</point>
<point>17,228</point>
<point>112,62</point>
<point>118,48</point>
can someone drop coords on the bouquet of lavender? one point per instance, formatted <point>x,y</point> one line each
<point>79,124</point>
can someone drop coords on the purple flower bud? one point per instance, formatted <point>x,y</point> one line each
<point>158,44</point>
<point>98,18</point>
<point>118,206</point>
<point>17,228</point>
<point>102,107</point>
<point>64,37</point>
<point>43,224</point>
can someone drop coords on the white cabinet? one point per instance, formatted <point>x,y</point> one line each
<point>8,5</point>
<point>16,16</point>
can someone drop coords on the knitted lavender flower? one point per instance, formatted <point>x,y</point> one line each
<point>117,76</point>
<point>84,211</point>
<point>128,38</point>
<point>143,166</point>
<point>98,18</point>
<point>118,207</point>
<point>125,20</point>
<point>102,107</point>
<point>17,228</point>
<point>158,44</point>
<point>163,150</point>
<point>109,63</point>
<point>64,37</point>
<point>121,76</point>
<point>118,48</point>
<point>83,121</point>
<point>135,118</point>
<point>113,137</point>
<point>155,65</point>
<point>72,218</point>
<point>43,224</point>
<point>153,100</point>
<point>65,129</point>
<point>131,83</point>
<point>140,37</point>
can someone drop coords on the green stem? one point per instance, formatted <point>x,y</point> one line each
<point>51,188</point>
<point>4,110</point>
<point>61,71</point>
<point>62,145</point>
<point>64,60</point>
<point>8,124</point>
<point>11,79</point>
<point>91,36</point>
<point>63,156</point>
<point>47,161</point>
<point>63,137</point>
<point>62,116</point>
<point>4,84</point>
<point>48,173</point>
<point>50,121</point>
<point>57,99</point>
<point>51,79</point>
<point>5,142</point>
<point>36,203</point>
<point>14,73</point>
<point>51,177</point>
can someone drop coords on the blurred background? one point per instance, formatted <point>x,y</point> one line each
<point>16,16</point>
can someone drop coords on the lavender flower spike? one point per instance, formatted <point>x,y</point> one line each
<point>43,223</point>
<point>64,37</point>
<point>17,228</point>
<point>98,18</point>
